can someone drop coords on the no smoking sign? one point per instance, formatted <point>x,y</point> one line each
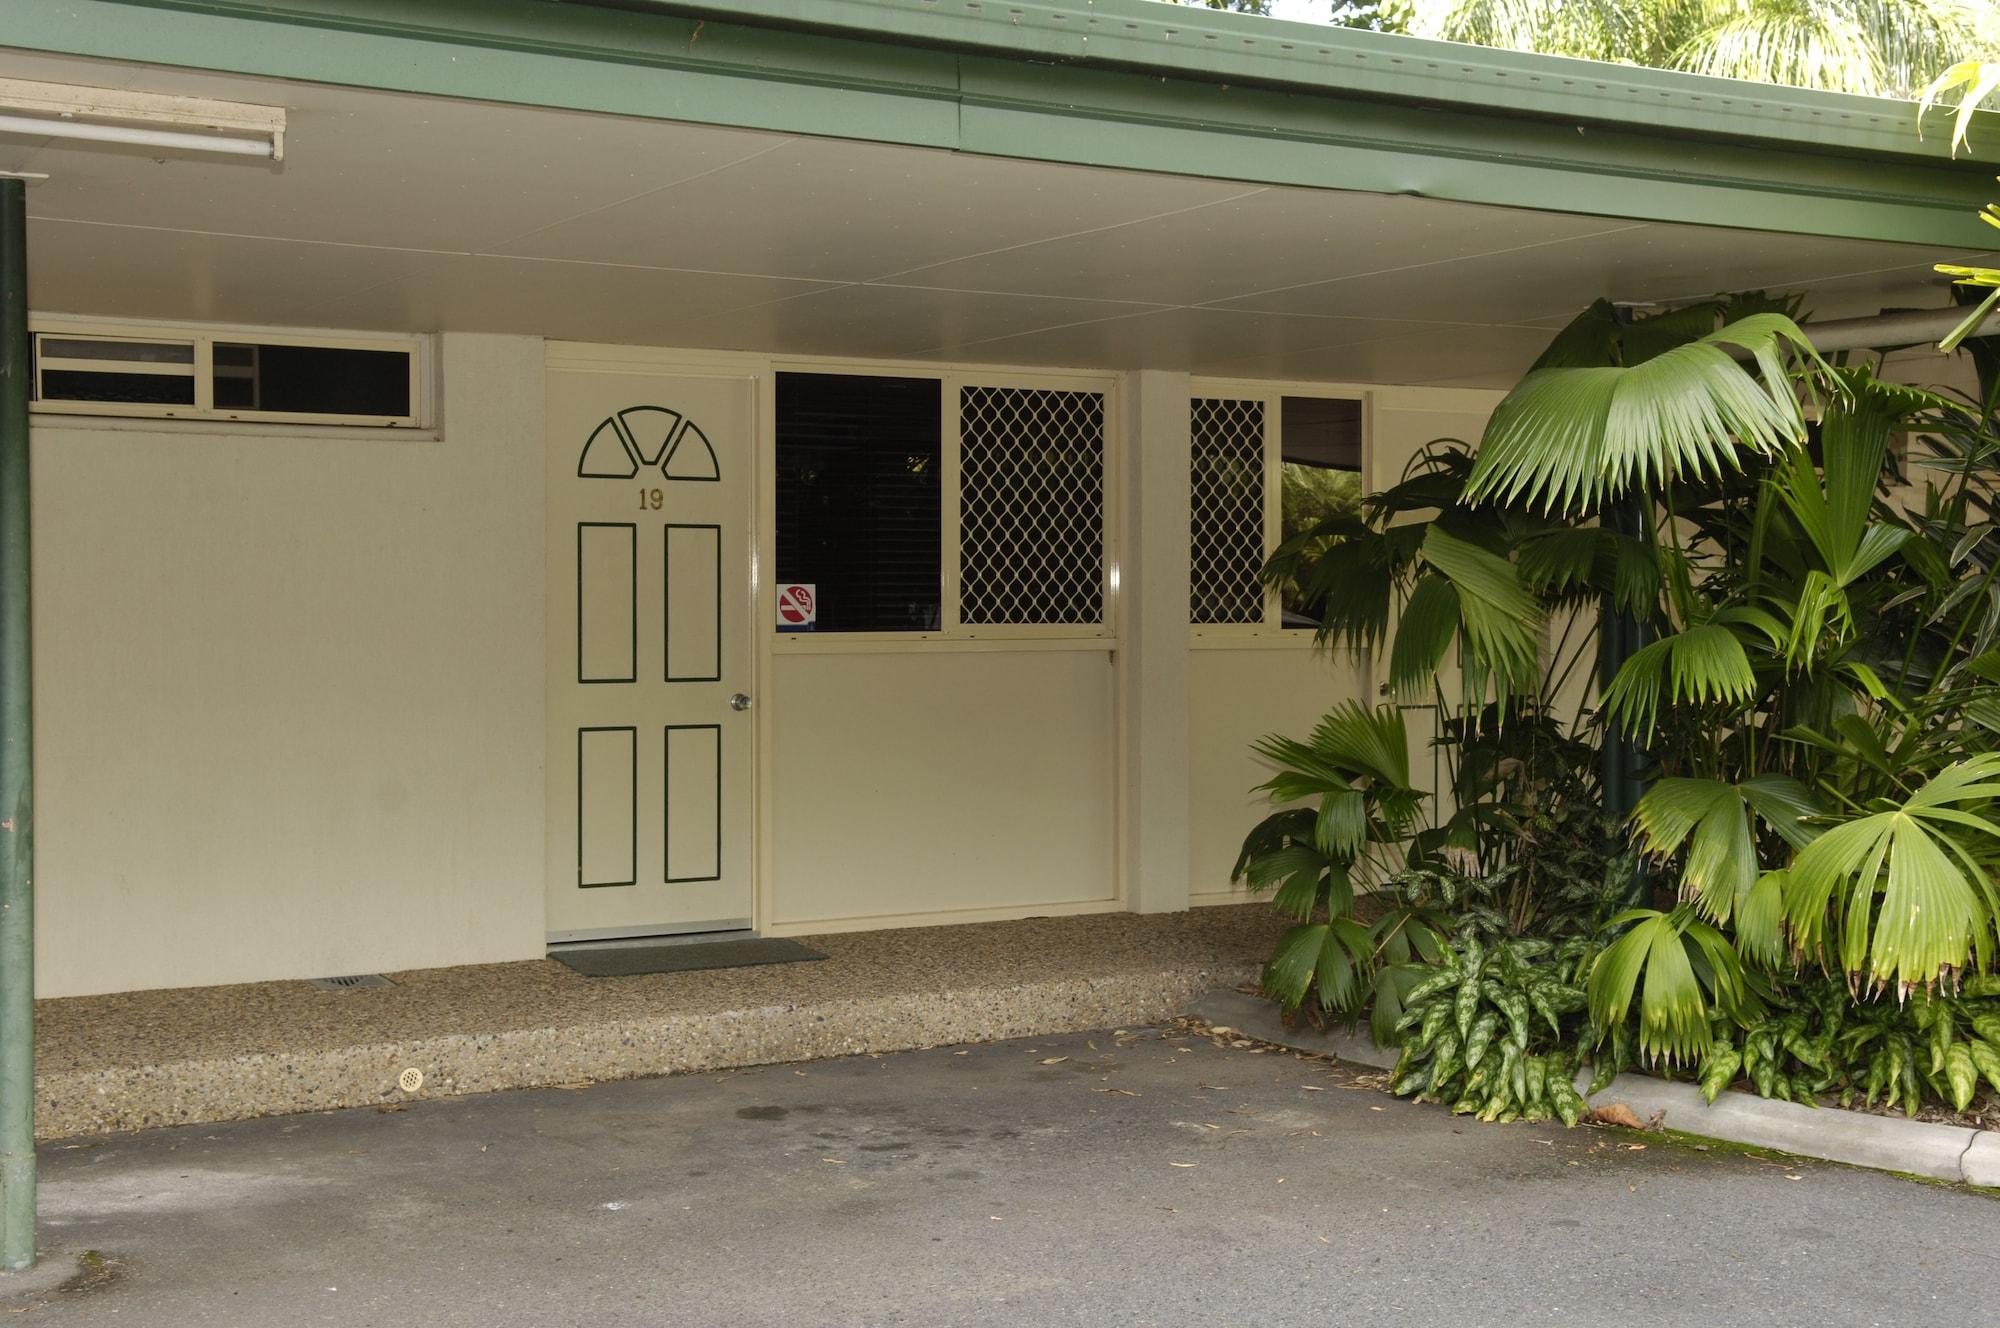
<point>798,610</point>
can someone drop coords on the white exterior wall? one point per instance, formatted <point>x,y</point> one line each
<point>289,692</point>
<point>1241,693</point>
<point>291,697</point>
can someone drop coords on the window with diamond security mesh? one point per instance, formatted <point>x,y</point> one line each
<point>1226,512</point>
<point>1031,506</point>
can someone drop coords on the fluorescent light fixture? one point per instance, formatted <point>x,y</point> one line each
<point>142,119</point>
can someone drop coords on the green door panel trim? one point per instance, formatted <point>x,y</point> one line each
<point>815,79</point>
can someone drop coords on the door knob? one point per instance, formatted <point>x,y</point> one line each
<point>739,702</point>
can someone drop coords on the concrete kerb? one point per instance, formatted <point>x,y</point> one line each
<point>1885,1143</point>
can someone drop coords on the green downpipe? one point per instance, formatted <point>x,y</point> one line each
<point>1622,760</point>
<point>17,787</point>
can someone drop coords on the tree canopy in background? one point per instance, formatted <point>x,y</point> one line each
<point>1876,48</point>
<point>1375,15</point>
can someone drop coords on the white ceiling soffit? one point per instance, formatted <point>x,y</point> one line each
<point>401,213</point>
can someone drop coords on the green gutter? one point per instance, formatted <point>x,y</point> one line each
<point>946,76</point>
<point>1246,50</point>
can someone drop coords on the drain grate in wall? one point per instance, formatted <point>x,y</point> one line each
<point>350,982</point>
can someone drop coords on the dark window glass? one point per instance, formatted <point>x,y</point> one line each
<point>858,478</point>
<point>1320,478</point>
<point>135,388</point>
<point>312,380</point>
<point>69,372</point>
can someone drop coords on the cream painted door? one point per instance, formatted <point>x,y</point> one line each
<point>650,816</point>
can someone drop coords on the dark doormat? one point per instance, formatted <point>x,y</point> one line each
<point>625,961</point>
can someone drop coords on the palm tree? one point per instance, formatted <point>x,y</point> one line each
<point>1876,48</point>
<point>1825,683</point>
<point>1819,698</point>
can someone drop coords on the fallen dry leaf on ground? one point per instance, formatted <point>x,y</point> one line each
<point>1616,1113</point>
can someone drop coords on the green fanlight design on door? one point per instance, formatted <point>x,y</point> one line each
<point>648,437</point>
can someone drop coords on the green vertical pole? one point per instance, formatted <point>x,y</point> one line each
<point>1619,636</point>
<point>17,789</point>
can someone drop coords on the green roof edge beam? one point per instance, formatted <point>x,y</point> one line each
<point>894,88</point>
<point>1245,50</point>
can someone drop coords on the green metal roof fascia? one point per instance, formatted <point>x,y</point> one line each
<point>527,52</point>
<point>1257,136</point>
<point>611,60</point>
<point>1240,49</point>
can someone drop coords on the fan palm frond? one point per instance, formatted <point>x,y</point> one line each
<point>1875,48</point>
<point>1334,957</point>
<point>1706,663</point>
<point>1591,29</point>
<point>1690,970</point>
<point>1927,860</point>
<point>1978,79</point>
<point>1712,821</point>
<point>1569,438</point>
<point>1474,596</point>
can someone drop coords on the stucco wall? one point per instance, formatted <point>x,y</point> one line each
<point>289,693</point>
<point>290,705</point>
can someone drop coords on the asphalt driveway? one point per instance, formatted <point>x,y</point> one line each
<point>1099,1180</point>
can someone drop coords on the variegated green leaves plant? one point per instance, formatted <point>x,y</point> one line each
<point>1496,1030</point>
<point>1824,1043</point>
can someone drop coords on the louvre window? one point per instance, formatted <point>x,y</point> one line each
<point>859,461</point>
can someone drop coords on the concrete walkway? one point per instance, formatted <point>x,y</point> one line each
<point>1095,1179</point>
<point>151,1058</point>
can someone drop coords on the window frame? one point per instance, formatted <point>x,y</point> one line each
<point>203,337</point>
<point>951,631</point>
<point>1270,631</point>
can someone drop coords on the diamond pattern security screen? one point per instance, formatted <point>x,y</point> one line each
<point>1031,506</point>
<point>1226,501</point>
